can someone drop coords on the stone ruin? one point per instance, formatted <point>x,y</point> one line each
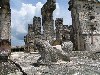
<point>5,20</point>
<point>82,35</point>
<point>79,42</point>
<point>85,20</point>
<point>84,31</point>
<point>47,19</point>
<point>53,36</point>
<point>5,23</point>
<point>29,39</point>
<point>48,53</point>
<point>61,30</point>
<point>7,66</point>
<point>34,31</point>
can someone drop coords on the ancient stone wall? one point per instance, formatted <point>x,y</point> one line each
<point>86,21</point>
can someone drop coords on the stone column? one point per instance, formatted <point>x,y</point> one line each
<point>5,29</point>
<point>59,28</point>
<point>86,24</point>
<point>47,19</point>
<point>37,27</point>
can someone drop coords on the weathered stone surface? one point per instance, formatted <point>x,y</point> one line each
<point>59,28</point>
<point>52,60</point>
<point>5,24</point>
<point>5,19</point>
<point>67,46</point>
<point>25,60</point>
<point>50,54</point>
<point>10,68</point>
<point>5,51</point>
<point>66,33</point>
<point>29,41</point>
<point>76,66</point>
<point>95,55</point>
<point>86,29</point>
<point>62,31</point>
<point>37,27</point>
<point>47,19</point>
<point>34,31</point>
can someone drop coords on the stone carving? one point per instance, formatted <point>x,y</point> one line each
<point>48,53</point>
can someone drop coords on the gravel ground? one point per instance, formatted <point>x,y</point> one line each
<point>76,66</point>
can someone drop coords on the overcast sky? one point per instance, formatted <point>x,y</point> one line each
<point>23,11</point>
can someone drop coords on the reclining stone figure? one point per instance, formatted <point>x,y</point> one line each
<point>48,53</point>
